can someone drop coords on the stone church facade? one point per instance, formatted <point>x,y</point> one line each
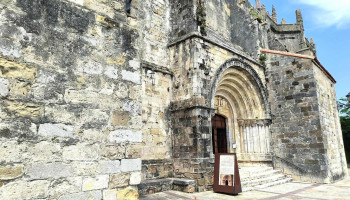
<point>100,97</point>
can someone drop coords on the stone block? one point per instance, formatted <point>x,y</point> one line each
<point>50,170</point>
<point>118,60</point>
<point>130,165</point>
<point>135,178</point>
<point>90,195</point>
<point>110,194</point>
<point>133,151</point>
<point>58,130</point>
<point>113,152</point>
<point>119,118</point>
<point>19,88</point>
<point>10,48</point>
<point>82,152</point>
<point>94,119</point>
<point>12,151</point>
<point>122,136</point>
<point>128,194</point>
<point>131,76</point>
<point>4,87</point>
<point>109,167</point>
<point>112,72</point>
<point>10,172</point>
<point>83,168</point>
<point>155,131</point>
<point>134,64</point>
<point>132,107</point>
<point>21,109</point>
<point>96,183</point>
<point>94,135</point>
<point>12,69</point>
<point>93,68</point>
<point>119,180</point>
<point>25,190</point>
<point>51,153</point>
<point>64,186</point>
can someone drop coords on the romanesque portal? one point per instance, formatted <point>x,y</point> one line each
<point>240,104</point>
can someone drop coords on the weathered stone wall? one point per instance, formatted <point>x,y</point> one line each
<point>218,17</point>
<point>70,100</point>
<point>183,17</point>
<point>301,124</point>
<point>330,126</point>
<point>295,129</point>
<point>154,26</point>
<point>157,169</point>
<point>156,127</point>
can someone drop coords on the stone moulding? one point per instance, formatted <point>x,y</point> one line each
<point>216,40</point>
<point>313,58</point>
<point>156,68</point>
<point>234,62</point>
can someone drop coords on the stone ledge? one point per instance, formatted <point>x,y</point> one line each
<point>161,185</point>
<point>183,182</point>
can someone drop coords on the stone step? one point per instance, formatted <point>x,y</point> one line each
<point>253,178</point>
<point>261,181</point>
<point>155,186</point>
<point>249,171</point>
<point>260,175</point>
<point>160,185</point>
<point>278,182</point>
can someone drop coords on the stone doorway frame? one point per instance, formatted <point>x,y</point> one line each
<point>237,63</point>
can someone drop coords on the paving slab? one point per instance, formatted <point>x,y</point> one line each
<point>288,191</point>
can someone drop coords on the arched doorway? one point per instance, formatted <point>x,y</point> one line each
<point>219,137</point>
<point>239,96</point>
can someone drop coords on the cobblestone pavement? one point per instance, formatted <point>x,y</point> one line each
<point>288,191</point>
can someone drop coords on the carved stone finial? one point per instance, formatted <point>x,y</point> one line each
<point>312,42</point>
<point>299,17</point>
<point>257,3</point>
<point>313,46</point>
<point>274,14</point>
<point>263,9</point>
<point>283,21</point>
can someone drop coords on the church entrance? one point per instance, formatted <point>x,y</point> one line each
<point>240,124</point>
<point>219,136</point>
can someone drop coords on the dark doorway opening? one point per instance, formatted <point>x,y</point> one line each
<point>219,139</point>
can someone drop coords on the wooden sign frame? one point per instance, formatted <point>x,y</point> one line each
<point>236,188</point>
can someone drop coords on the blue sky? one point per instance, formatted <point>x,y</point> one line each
<point>328,23</point>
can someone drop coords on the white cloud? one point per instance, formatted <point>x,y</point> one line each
<point>330,12</point>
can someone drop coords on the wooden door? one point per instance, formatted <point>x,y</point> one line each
<point>219,134</point>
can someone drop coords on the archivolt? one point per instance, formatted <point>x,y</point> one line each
<point>240,82</point>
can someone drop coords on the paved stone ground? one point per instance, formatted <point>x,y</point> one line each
<point>288,191</point>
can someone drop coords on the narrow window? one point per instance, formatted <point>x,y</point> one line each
<point>128,6</point>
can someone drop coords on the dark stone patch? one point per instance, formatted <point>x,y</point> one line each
<point>76,18</point>
<point>317,146</point>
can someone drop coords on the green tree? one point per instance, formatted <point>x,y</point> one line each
<point>344,109</point>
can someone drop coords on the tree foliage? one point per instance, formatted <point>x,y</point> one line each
<point>345,125</point>
<point>344,109</point>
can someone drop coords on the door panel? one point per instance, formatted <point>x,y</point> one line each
<point>219,137</point>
